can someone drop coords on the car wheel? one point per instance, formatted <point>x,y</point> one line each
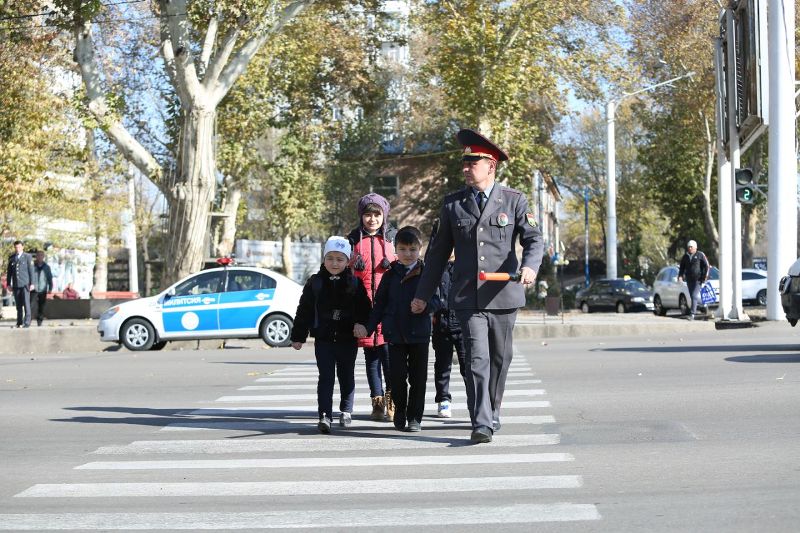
<point>685,310</point>
<point>276,330</point>
<point>621,307</point>
<point>584,307</point>
<point>158,345</point>
<point>761,297</point>
<point>138,335</point>
<point>658,308</point>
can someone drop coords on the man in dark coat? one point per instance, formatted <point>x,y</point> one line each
<point>42,285</point>
<point>693,269</point>
<point>481,222</point>
<point>20,274</point>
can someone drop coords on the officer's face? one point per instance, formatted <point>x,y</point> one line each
<point>479,174</point>
<point>18,248</point>
<point>335,262</point>
<point>407,253</point>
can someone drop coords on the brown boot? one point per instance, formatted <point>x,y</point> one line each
<point>389,406</point>
<point>377,409</point>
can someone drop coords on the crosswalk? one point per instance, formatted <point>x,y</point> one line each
<point>256,456</point>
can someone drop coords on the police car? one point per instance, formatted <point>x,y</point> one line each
<point>219,303</point>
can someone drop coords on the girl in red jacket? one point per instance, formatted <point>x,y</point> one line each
<point>372,256</point>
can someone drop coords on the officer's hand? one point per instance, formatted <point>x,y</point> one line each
<point>297,345</point>
<point>527,276</point>
<point>418,306</point>
<point>359,331</point>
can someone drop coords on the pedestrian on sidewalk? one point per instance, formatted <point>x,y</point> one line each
<point>694,269</point>
<point>20,276</point>
<point>332,303</point>
<point>373,253</point>
<point>481,222</point>
<point>408,333</point>
<point>42,285</point>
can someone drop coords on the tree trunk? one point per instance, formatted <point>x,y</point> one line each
<point>191,192</point>
<point>749,223</point>
<point>708,216</point>
<point>101,260</point>
<point>228,224</point>
<point>286,254</point>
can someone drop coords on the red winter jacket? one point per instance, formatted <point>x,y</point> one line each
<point>371,250</point>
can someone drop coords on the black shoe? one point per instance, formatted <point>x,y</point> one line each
<point>414,426</point>
<point>39,323</point>
<point>26,326</point>
<point>496,425</point>
<point>324,425</point>
<point>481,434</point>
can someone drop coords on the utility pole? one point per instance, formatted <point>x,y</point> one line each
<point>782,194</point>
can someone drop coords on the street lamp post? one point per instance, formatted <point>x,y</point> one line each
<point>611,178</point>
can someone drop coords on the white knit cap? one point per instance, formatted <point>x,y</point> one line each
<point>691,244</point>
<point>337,244</point>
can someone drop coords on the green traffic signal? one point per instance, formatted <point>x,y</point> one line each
<point>745,186</point>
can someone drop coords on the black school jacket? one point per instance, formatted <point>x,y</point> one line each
<point>392,307</point>
<point>329,308</point>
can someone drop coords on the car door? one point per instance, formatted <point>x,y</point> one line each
<point>752,282</point>
<point>601,294</point>
<point>672,288</point>
<point>190,309</point>
<point>247,298</point>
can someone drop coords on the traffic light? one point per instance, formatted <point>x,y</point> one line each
<point>745,186</point>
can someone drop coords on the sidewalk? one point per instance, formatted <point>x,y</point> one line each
<point>70,336</point>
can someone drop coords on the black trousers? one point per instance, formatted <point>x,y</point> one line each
<point>335,360</point>
<point>22,297</point>
<point>443,346</point>
<point>39,300</point>
<point>408,365</point>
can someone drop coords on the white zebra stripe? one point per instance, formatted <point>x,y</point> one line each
<point>340,442</point>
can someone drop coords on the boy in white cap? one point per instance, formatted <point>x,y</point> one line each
<point>333,302</point>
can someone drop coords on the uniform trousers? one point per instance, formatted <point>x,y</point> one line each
<point>408,365</point>
<point>335,359</point>
<point>489,348</point>
<point>443,346</point>
<point>22,297</point>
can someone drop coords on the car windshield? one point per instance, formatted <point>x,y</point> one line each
<point>713,273</point>
<point>635,285</point>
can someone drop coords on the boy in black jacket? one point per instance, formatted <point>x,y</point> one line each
<point>333,302</point>
<point>408,334</point>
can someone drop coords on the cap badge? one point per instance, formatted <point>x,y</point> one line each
<point>502,220</point>
<point>531,219</point>
<point>467,150</point>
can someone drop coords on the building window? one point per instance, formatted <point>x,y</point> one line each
<point>386,186</point>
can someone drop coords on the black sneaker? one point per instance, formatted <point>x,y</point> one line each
<point>324,425</point>
<point>481,434</point>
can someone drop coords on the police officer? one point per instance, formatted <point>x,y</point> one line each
<point>20,274</point>
<point>482,222</point>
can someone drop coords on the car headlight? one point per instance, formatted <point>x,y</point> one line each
<point>108,313</point>
<point>637,299</point>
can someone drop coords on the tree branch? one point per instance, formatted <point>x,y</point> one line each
<point>208,43</point>
<point>241,59</point>
<point>128,146</point>
<point>220,59</point>
<point>174,11</point>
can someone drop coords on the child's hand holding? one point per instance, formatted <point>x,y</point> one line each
<point>359,331</point>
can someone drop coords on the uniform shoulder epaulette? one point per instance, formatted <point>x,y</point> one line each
<point>509,190</point>
<point>454,195</point>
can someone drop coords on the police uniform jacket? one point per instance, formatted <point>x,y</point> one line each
<point>483,242</point>
<point>20,270</point>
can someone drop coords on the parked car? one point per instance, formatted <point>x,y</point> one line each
<point>754,286</point>
<point>219,303</point>
<point>789,289</point>
<point>621,295</point>
<point>669,293</point>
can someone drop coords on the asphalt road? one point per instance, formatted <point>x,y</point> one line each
<point>695,432</point>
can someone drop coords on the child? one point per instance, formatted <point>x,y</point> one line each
<point>446,336</point>
<point>408,334</point>
<point>372,255</point>
<point>332,303</point>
